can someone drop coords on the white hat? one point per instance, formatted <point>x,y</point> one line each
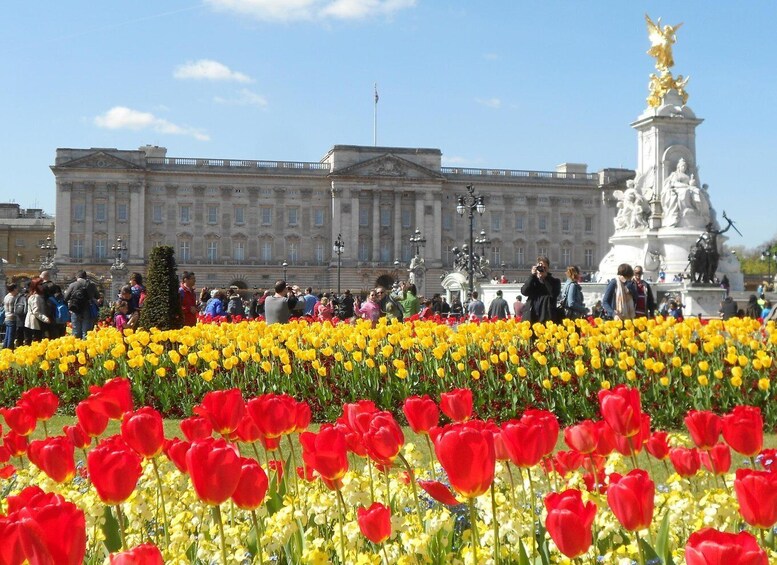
<point>214,293</point>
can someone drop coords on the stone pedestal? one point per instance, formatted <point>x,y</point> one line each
<point>702,300</point>
<point>119,277</point>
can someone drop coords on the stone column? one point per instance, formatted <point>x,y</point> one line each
<point>397,222</point>
<point>63,218</point>
<point>137,217</point>
<point>376,225</point>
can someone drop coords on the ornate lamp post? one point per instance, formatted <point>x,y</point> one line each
<point>119,268</point>
<point>503,266</point>
<point>470,203</point>
<point>769,255</point>
<point>49,249</point>
<point>338,248</point>
<point>418,240</point>
<point>482,240</point>
<point>285,266</point>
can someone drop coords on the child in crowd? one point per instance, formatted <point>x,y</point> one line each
<point>121,318</point>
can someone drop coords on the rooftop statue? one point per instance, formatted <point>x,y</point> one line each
<point>661,41</point>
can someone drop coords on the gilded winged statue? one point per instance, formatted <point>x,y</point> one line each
<point>661,41</point>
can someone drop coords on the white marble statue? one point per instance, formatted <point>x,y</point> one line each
<point>684,203</point>
<point>633,209</point>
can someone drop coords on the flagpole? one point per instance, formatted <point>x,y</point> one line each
<point>375,119</point>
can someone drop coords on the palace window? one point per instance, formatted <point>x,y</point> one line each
<point>320,257</point>
<point>542,222</point>
<point>78,248</point>
<point>589,224</point>
<point>100,249</point>
<point>185,251</point>
<point>364,216</point>
<point>496,221</point>
<point>239,251</point>
<point>266,251</point>
<point>79,212</point>
<point>212,251</point>
<point>364,250</point>
<point>407,218</point>
<point>213,213</point>
<point>122,212</point>
<point>566,223</point>
<point>385,217</point>
<point>318,217</point>
<point>293,216</point>
<point>293,252</point>
<point>100,212</point>
<point>566,257</point>
<point>266,214</point>
<point>240,215</point>
<point>589,257</point>
<point>156,213</point>
<point>520,256</point>
<point>186,213</point>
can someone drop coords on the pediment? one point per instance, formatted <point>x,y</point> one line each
<point>99,160</point>
<point>388,166</point>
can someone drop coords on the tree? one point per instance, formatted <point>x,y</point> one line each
<point>162,307</point>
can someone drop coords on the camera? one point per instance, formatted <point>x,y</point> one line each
<point>540,268</point>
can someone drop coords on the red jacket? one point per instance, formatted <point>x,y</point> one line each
<point>188,305</point>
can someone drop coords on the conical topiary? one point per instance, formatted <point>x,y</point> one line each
<point>162,307</point>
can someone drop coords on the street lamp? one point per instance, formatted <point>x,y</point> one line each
<point>482,240</point>
<point>418,240</point>
<point>469,203</point>
<point>285,266</point>
<point>769,255</point>
<point>504,266</point>
<point>50,250</point>
<point>338,248</point>
<point>118,252</point>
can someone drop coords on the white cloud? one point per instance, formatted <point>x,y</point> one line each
<point>489,102</point>
<point>293,10</point>
<point>121,117</point>
<point>244,97</point>
<point>205,69</point>
<point>490,56</point>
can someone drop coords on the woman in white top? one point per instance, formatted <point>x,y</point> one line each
<point>36,312</point>
<point>9,303</point>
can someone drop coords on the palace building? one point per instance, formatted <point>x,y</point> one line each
<point>236,222</point>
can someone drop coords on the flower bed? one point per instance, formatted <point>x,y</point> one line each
<point>508,365</point>
<point>361,494</point>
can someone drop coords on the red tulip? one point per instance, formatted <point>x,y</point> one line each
<point>606,443</point>
<point>32,496</point>
<point>275,414</point>
<point>704,427</point>
<point>768,459</point>
<point>633,444</point>
<point>466,452</point>
<point>325,452</point>
<point>306,473</point>
<point>145,554</point>
<point>176,450</point>
<point>457,404</point>
<point>564,462</point>
<point>252,486</point>
<point>604,481</point>
<point>658,446</point>
<point>500,451</point>
<point>114,469</point>
<point>20,419</point>
<point>92,422</point>
<point>48,529</point>
<point>757,496</point>
<point>717,460</point>
<point>54,456</point>
<point>439,492</point>
<point>524,442</point>
<point>685,461</point>
<point>548,421</point>
<point>143,430</point>
<point>352,410</point>
<point>270,443</point>
<point>711,547</point>
<point>422,413</point>
<point>78,436</point>
<point>276,465</point>
<point>247,431</point>
<point>40,401</point>
<point>569,522</point>
<point>622,409</point>
<point>112,399</point>
<point>223,408</point>
<point>383,437</point>
<point>375,522</point>
<point>16,444</point>
<point>582,437</point>
<point>631,499</point>
<point>743,430</point>
<point>214,467</point>
<point>196,427</point>
<point>302,416</point>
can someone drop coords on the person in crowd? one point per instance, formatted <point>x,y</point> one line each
<point>121,316</point>
<point>409,302</point>
<point>766,309</point>
<point>279,307</point>
<point>427,310</point>
<point>36,312</point>
<point>12,291</point>
<point>518,307</point>
<point>188,298</point>
<point>572,295</point>
<point>20,313</point>
<point>753,309</point>
<point>235,303</point>
<point>80,296</point>
<point>498,308</point>
<point>476,309</point>
<point>728,308</point>
<point>215,306</point>
<point>47,291</point>
<point>542,290</point>
<point>675,310</point>
<point>204,298</point>
<point>310,302</point>
<point>323,309</point>
<point>389,306</point>
<point>598,310</point>
<point>57,311</point>
<point>138,291</point>
<point>253,305</point>
<point>437,303</point>
<point>644,301</point>
<point>457,308</point>
<point>618,299</point>
<point>445,308</point>
<point>370,308</point>
<point>725,284</point>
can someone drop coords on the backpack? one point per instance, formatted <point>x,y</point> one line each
<point>79,299</point>
<point>61,312</point>
<point>20,308</point>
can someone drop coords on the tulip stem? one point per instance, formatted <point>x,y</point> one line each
<point>473,519</point>
<point>431,456</point>
<point>639,548</point>
<point>512,484</point>
<point>595,474</point>
<point>496,524</point>
<point>532,508</point>
<point>162,501</point>
<point>219,521</point>
<point>293,465</point>
<point>120,520</point>
<point>258,536</point>
<point>45,428</point>
<point>385,553</point>
<point>632,451</point>
<point>415,490</point>
<point>372,486</point>
<point>340,521</point>
<point>388,485</point>
<point>256,452</point>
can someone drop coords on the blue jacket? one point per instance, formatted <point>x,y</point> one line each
<point>214,308</point>
<point>608,300</point>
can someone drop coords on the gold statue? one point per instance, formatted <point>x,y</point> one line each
<point>661,41</point>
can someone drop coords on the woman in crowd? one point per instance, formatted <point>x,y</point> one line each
<point>369,309</point>
<point>215,306</point>
<point>542,290</point>
<point>618,299</point>
<point>572,295</point>
<point>36,312</point>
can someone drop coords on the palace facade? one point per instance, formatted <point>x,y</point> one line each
<point>235,222</point>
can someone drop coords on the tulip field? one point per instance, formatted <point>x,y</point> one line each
<point>250,479</point>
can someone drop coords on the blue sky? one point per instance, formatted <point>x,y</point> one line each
<point>497,84</point>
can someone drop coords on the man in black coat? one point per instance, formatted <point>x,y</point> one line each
<point>542,291</point>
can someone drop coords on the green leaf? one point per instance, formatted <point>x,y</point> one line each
<point>523,557</point>
<point>662,540</point>
<point>110,529</point>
